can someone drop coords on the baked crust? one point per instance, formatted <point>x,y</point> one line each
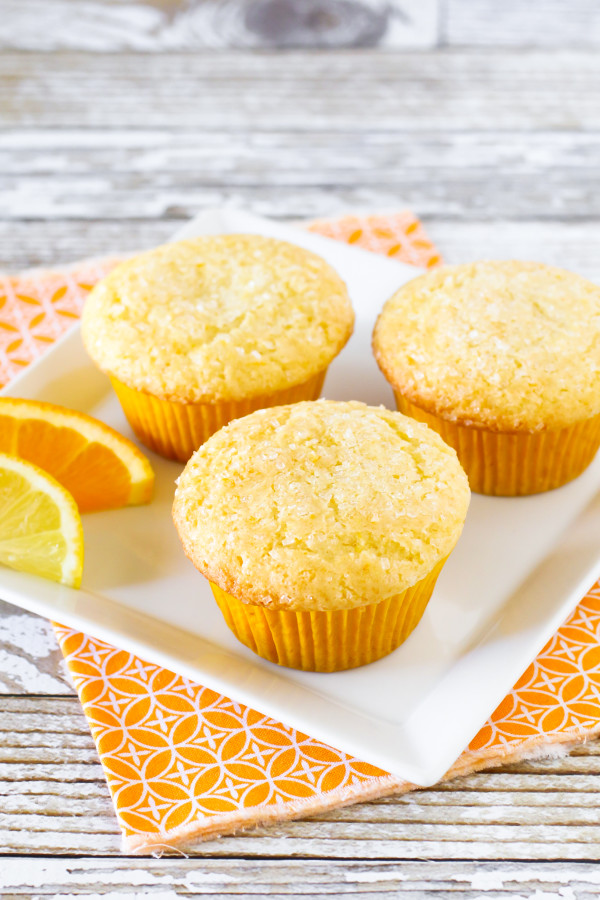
<point>320,505</point>
<point>507,346</point>
<point>227,317</point>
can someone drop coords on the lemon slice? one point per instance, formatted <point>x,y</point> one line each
<point>40,526</point>
<point>101,468</point>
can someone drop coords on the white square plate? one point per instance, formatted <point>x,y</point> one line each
<point>519,569</point>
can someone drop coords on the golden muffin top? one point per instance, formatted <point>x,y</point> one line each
<point>320,505</point>
<point>217,318</point>
<point>508,346</point>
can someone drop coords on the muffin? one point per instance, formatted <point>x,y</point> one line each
<point>322,528</point>
<point>199,332</point>
<point>503,360</point>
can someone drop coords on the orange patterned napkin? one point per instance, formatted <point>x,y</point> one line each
<point>184,762</point>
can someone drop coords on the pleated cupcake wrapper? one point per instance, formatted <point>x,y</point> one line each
<point>183,762</point>
<point>176,430</point>
<point>328,640</point>
<point>514,464</point>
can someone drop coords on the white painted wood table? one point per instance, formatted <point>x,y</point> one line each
<point>119,120</point>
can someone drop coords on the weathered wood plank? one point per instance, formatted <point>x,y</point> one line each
<point>512,23</point>
<point>304,91</point>
<point>156,25</point>
<point>333,157</point>
<point>571,245</point>
<point>170,878</point>
<point>401,821</point>
<point>145,174</point>
<point>124,196</point>
<point>55,242</point>
<point>52,243</point>
<point>30,660</point>
<point>374,843</point>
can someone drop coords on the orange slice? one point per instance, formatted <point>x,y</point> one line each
<point>101,468</point>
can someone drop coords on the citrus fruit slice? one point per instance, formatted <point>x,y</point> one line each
<point>100,467</point>
<point>40,527</point>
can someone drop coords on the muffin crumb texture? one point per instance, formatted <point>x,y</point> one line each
<point>320,505</point>
<point>217,318</point>
<point>508,346</point>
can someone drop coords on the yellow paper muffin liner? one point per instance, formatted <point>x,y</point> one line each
<point>328,640</point>
<point>176,430</point>
<point>511,464</point>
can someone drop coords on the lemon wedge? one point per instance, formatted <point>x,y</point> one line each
<point>40,526</point>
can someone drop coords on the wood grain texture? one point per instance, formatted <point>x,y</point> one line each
<point>30,659</point>
<point>153,174</point>
<point>573,245</point>
<point>330,156</point>
<point>512,23</point>
<point>305,92</point>
<point>158,25</point>
<point>170,878</point>
<point>55,799</point>
<point>46,244</point>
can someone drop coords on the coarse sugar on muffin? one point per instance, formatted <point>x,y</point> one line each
<point>200,331</point>
<point>503,359</point>
<point>322,527</point>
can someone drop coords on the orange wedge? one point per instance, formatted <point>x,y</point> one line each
<point>101,468</point>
